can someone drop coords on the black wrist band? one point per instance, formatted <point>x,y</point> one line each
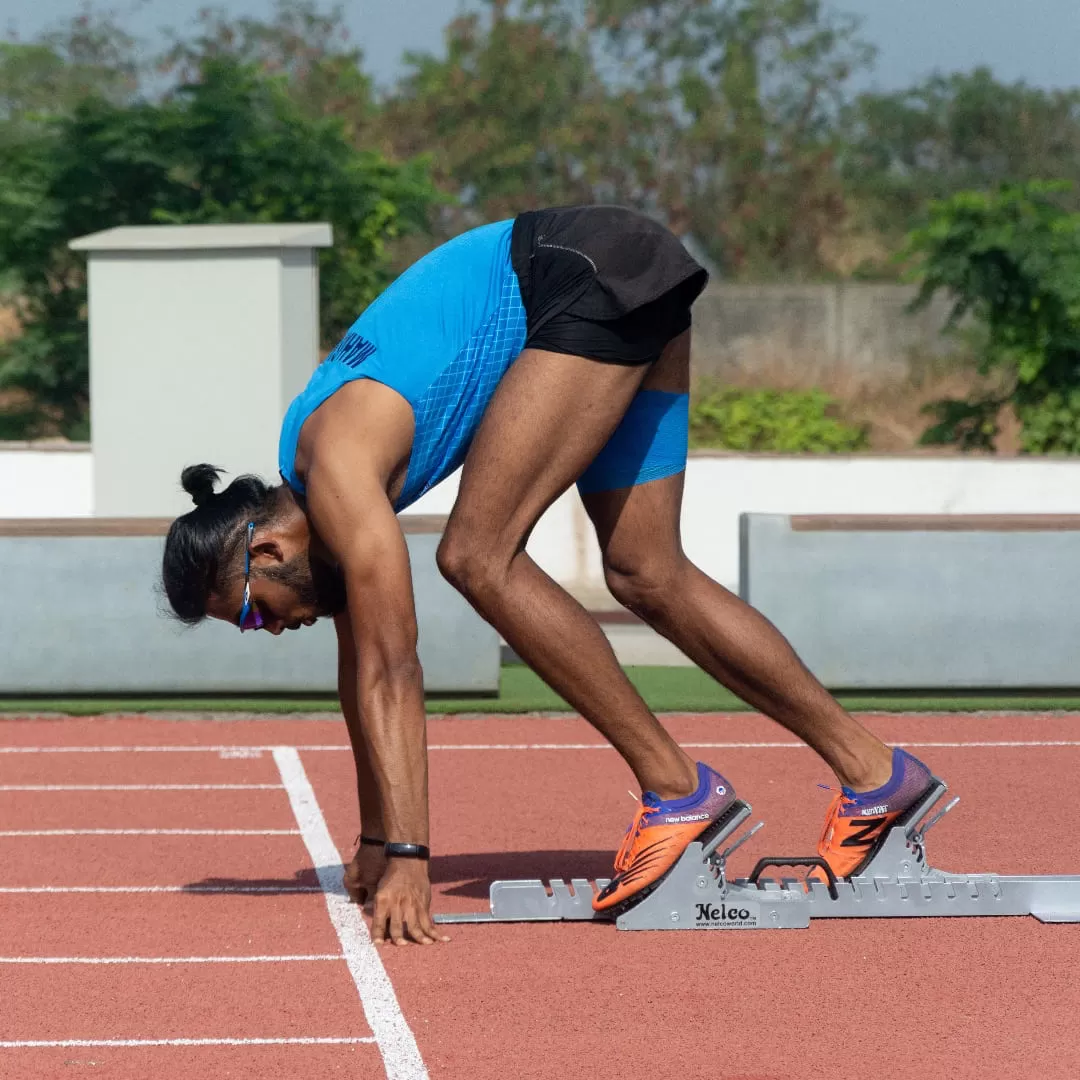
<point>371,841</point>
<point>406,851</point>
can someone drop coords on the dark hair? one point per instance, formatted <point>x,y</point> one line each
<point>203,546</point>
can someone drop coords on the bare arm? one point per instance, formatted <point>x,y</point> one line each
<point>366,791</point>
<point>367,866</point>
<point>354,519</point>
<point>389,687</point>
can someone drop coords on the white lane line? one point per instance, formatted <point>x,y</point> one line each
<point>401,1056</point>
<point>246,889</point>
<point>49,1044</point>
<point>336,957</point>
<point>149,832</point>
<point>956,744</point>
<point>238,751</point>
<point>140,787</point>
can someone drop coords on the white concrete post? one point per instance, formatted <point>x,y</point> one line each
<point>200,336</point>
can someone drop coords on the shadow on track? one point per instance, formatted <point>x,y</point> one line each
<point>458,875</point>
<point>305,880</point>
<point>470,875</point>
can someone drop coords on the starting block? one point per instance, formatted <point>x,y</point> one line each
<point>698,895</point>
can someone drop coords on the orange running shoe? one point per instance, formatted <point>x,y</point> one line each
<point>858,822</point>
<point>661,831</point>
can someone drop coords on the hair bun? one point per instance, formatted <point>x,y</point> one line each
<point>199,482</point>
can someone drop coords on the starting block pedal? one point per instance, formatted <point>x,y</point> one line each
<point>697,893</point>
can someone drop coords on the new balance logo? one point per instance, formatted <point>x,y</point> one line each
<point>869,811</point>
<point>864,836</point>
<point>352,351</point>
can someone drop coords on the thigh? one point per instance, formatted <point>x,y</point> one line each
<point>549,417</point>
<point>672,371</point>
<point>642,521</point>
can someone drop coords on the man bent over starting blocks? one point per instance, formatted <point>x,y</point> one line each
<point>541,352</point>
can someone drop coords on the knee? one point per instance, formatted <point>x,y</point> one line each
<point>648,587</point>
<point>468,563</point>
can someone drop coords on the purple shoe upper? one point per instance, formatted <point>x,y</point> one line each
<point>910,778</point>
<point>713,796</point>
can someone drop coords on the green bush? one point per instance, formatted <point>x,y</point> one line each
<point>1011,260</point>
<point>229,147</point>
<point>1052,424</point>
<point>782,421</point>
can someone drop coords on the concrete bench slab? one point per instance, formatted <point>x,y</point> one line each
<point>931,602</point>
<point>82,614</point>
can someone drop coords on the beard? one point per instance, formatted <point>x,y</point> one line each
<point>316,584</point>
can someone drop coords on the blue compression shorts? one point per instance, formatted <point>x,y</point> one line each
<point>649,444</point>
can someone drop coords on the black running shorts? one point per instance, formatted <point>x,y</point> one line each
<point>604,282</point>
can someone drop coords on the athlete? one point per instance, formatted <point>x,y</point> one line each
<point>541,352</point>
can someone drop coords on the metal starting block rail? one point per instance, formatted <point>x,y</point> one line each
<point>697,894</point>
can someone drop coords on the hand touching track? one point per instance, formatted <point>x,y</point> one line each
<point>397,896</point>
<point>403,906</point>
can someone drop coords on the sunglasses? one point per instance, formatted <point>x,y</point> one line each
<point>250,618</point>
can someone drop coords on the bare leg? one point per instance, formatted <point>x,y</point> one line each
<point>549,418</point>
<point>646,570</point>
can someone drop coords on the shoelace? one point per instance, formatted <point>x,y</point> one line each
<point>830,819</point>
<point>849,795</point>
<point>622,859</point>
<point>844,796</point>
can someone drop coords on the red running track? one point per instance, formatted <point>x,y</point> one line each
<point>511,797</point>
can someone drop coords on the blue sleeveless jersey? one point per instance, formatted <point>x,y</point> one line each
<point>442,335</point>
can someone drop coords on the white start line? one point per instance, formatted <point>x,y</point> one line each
<point>401,1056</point>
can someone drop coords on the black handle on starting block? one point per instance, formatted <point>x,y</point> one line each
<point>809,860</point>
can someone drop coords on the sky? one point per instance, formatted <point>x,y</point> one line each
<point>1037,41</point>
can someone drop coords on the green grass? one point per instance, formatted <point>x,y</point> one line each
<point>666,689</point>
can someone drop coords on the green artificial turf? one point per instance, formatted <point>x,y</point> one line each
<point>666,689</point>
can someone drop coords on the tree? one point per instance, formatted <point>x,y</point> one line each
<point>954,133</point>
<point>50,76</point>
<point>230,147</point>
<point>514,116</point>
<point>743,97</point>
<point>716,116</point>
<point>1011,260</point>
<point>39,82</point>
<point>307,47</point>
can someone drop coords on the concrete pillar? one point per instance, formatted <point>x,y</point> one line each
<point>200,336</point>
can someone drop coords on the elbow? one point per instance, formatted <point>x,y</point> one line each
<point>399,676</point>
<point>407,674</point>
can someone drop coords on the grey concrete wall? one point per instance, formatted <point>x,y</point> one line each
<point>80,615</point>
<point>842,329</point>
<point>920,608</point>
<point>200,337</point>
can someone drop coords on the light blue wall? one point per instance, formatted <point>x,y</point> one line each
<point>81,615</point>
<point>920,609</point>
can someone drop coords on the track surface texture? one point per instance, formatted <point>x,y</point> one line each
<point>171,906</point>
